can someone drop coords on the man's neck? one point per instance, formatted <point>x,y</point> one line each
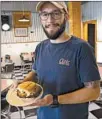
<point>63,38</point>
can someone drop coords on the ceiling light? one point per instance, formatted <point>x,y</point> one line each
<point>23,19</point>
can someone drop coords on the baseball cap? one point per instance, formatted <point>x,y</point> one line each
<point>60,5</point>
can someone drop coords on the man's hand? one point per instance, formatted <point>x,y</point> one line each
<point>47,100</point>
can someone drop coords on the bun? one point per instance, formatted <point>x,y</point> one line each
<point>28,89</point>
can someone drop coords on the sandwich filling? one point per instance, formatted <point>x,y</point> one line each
<point>28,89</point>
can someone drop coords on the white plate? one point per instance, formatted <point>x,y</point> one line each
<point>14,100</point>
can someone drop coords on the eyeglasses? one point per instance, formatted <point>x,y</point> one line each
<point>55,15</point>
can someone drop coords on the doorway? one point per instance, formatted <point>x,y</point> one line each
<point>89,33</point>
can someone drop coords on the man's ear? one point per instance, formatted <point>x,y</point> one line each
<point>66,17</point>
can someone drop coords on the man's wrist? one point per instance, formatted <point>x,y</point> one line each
<point>55,101</point>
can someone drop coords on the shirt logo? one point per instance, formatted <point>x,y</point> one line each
<point>62,61</point>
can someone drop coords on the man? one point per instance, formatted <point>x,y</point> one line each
<point>66,68</point>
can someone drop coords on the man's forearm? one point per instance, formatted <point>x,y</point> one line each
<point>31,75</point>
<point>80,96</point>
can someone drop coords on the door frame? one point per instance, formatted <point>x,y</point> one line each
<point>85,32</point>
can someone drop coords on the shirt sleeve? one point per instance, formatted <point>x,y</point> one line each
<point>88,69</point>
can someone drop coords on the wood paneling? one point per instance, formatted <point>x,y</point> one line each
<point>75,18</point>
<point>85,31</point>
<point>17,16</point>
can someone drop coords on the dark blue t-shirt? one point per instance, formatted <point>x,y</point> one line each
<point>63,68</point>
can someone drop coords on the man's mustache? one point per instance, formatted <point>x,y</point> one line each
<point>47,26</point>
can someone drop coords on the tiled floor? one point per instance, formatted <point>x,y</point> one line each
<point>95,112</point>
<point>95,108</point>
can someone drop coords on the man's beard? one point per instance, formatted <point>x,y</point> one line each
<point>58,33</point>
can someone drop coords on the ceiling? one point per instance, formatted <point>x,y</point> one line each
<point>18,6</point>
<point>21,5</point>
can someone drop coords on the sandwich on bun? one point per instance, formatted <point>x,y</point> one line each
<point>28,89</point>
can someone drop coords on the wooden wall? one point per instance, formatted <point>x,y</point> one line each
<point>75,18</point>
